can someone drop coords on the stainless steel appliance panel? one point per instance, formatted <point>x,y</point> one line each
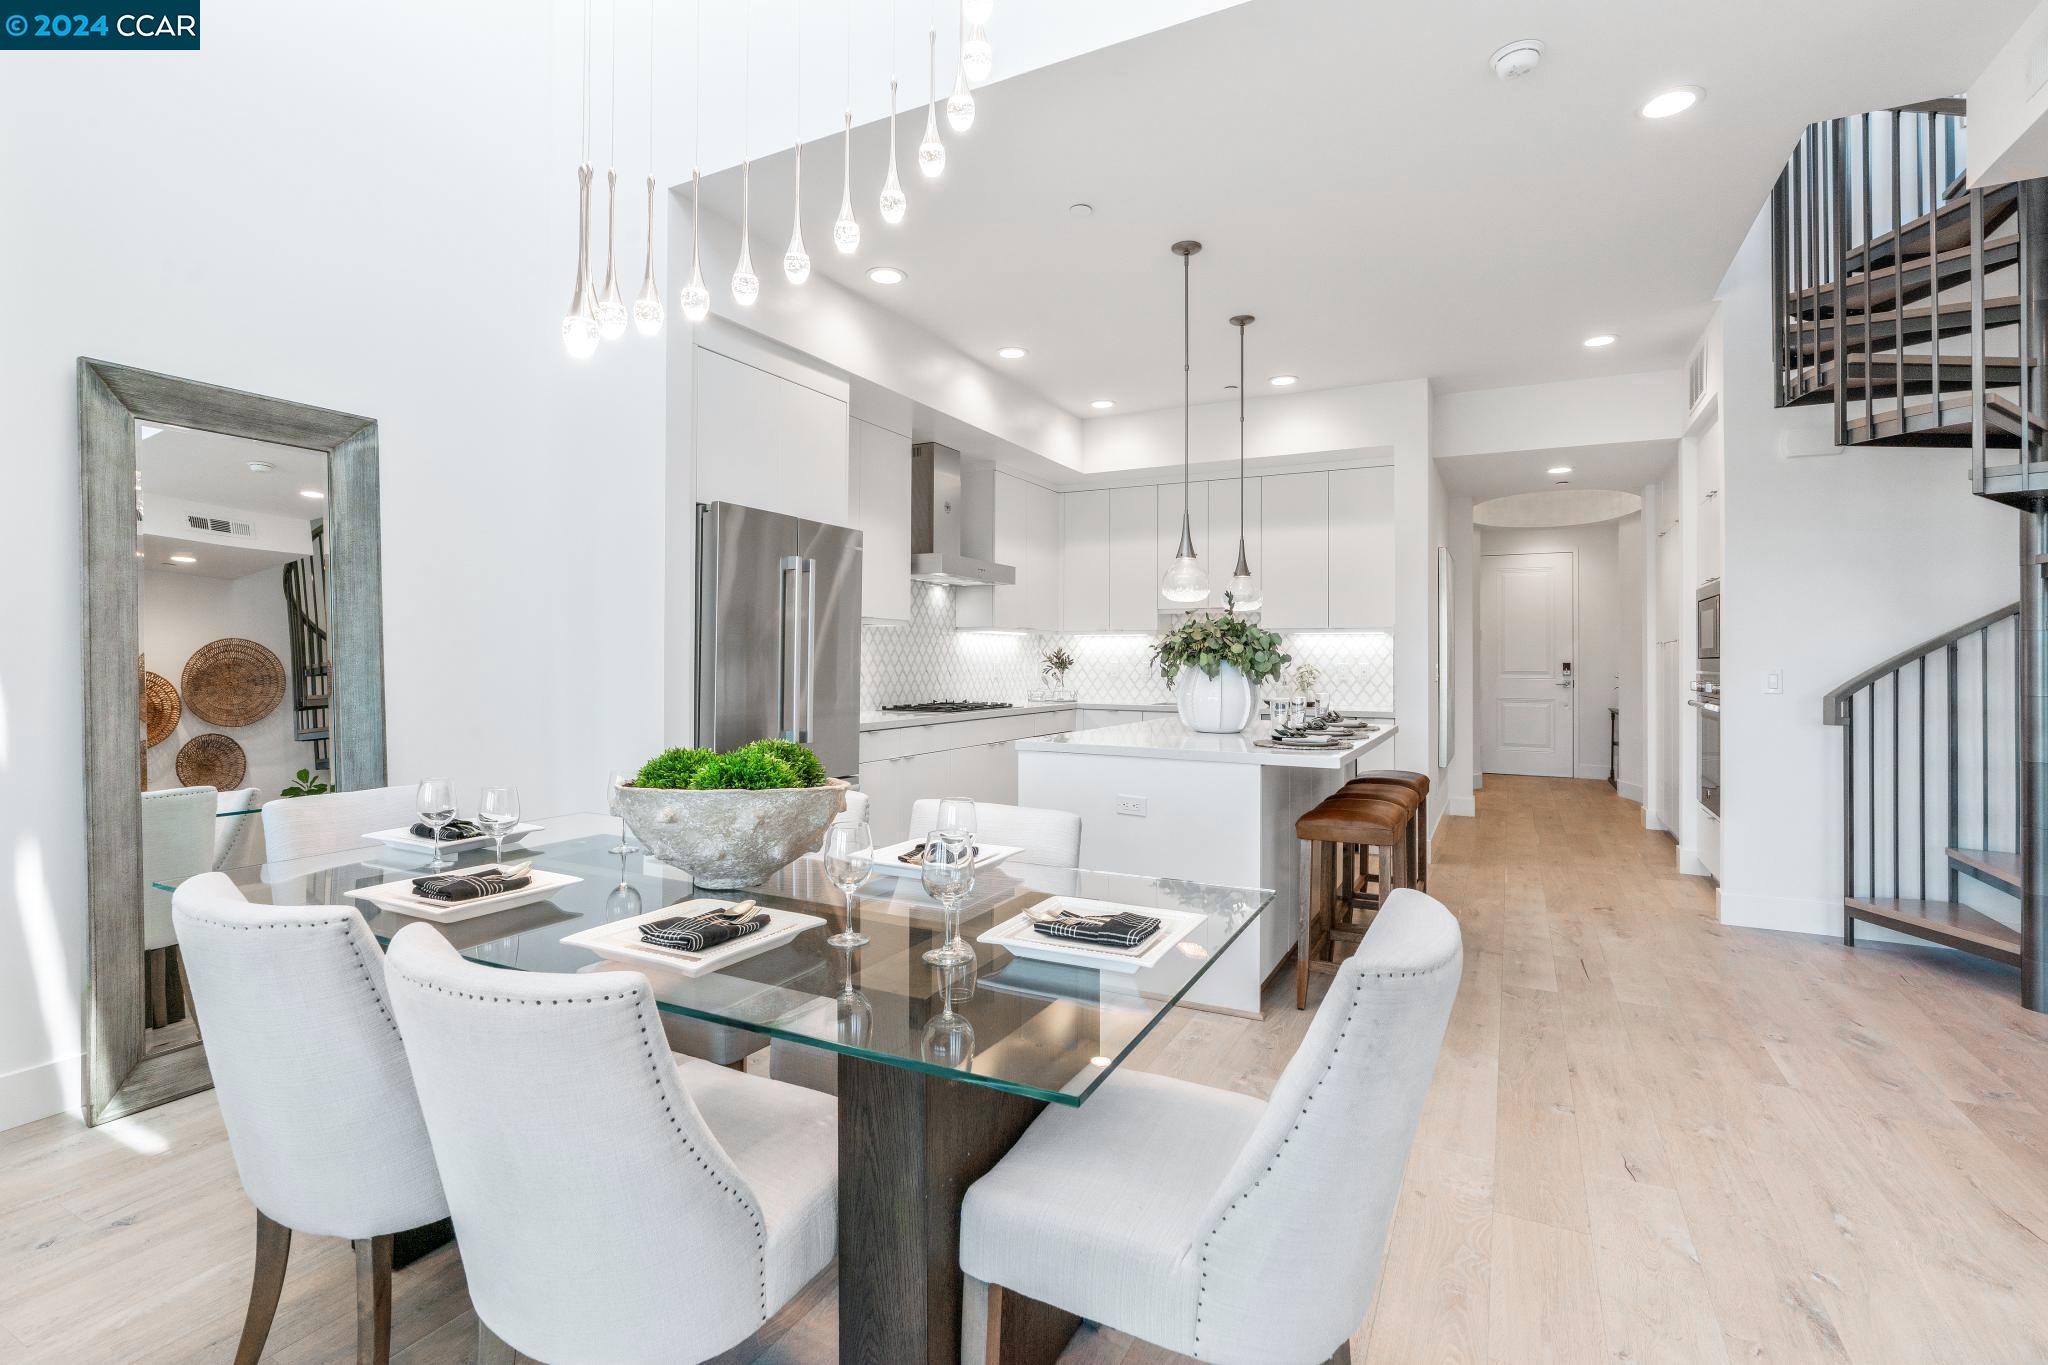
<point>743,626</point>
<point>828,719</point>
<point>1706,702</point>
<point>1707,621</point>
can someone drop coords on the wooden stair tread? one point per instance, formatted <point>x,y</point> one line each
<point>1952,229</point>
<point>1885,284</point>
<point>1947,922</point>
<point>1888,326</point>
<point>1994,865</point>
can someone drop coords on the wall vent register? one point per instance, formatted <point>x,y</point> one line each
<point>219,526</point>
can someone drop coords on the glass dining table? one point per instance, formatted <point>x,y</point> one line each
<point>938,1070</point>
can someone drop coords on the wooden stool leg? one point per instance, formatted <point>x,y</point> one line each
<point>1319,909</point>
<point>273,1249</point>
<point>1422,846</point>
<point>490,1348</point>
<point>373,1300</point>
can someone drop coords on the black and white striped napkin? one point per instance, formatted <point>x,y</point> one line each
<point>1121,930</point>
<point>454,829</point>
<point>466,886</point>
<point>693,935</point>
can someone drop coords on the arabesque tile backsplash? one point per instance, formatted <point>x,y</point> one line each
<point>930,659</point>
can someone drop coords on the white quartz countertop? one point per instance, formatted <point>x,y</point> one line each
<point>1166,737</point>
<point>895,720</point>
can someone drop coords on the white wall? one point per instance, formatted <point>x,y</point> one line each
<point>1833,562</point>
<point>1605,623</point>
<point>180,613</point>
<point>1614,410</point>
<point>2008,111</point>
<point>1632,764</point>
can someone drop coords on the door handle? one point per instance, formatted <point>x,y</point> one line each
<point>809,581</point>
<point>787,659</point>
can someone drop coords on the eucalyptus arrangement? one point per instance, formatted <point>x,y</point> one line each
<point>1307,678</point>
<point>1055,664</point>
<point>1211,643</point>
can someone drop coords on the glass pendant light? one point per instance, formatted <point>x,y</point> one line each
<point>1243,592</point>
<point>960,104</point>
<point>892,202</point>
<point>648,314</point>
<point>695,298</point>
<point>977,55</point>
<point>796,262</point>
<point>611,308</point>
<point>746,285</point>
<point>1184,582</point>
<point>846,228</point>
<point>931,153</point>
<point>579,324</point>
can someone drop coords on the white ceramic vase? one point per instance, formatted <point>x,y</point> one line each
<point>1217,705</point>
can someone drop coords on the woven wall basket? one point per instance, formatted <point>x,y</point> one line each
<point>161,709</point>
<point>212,761</point>
<point>233,682</point>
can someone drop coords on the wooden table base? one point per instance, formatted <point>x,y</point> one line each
<point>909,1146</point>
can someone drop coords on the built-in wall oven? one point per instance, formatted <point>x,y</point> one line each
<point>1706,697</point>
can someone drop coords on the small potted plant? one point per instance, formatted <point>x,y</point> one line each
<point>1053,666</point>
<point>1214,665</point>
<point>731,819</point>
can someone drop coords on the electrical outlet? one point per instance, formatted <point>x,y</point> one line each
<point>1774,683</point>
<point>1131,805</point>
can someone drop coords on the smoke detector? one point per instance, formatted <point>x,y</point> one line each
<point>1514,60</point>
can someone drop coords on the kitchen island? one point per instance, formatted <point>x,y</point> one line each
<point>1158,799</point>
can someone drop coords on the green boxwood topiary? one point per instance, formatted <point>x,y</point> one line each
<point>745,769</point>
<point>809,771</point>
<point>673,769</point>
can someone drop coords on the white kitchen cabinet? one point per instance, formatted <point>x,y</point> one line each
<point>1294,517</point>
<point>1084,561</point>
<point>1223,526</point>
<point>1167,539</point>
<point>764,440</point>
<point>1025,535</point>
<point>1361,573</point>
<point>881,513</point>
<point>1133,572</point>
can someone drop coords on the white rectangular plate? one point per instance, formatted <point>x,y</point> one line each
<point>889,860</point>
<point>398,898</point>
<point>412,843</point>
<point>619,940</point>
<point>1016,936</point>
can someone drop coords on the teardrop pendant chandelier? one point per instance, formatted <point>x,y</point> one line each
<point>648,314</point>
<point>695,298</point>
<point>611,308</point>
<point>960,104</point>
<point>1184,582</point>
<point>892,202</point>
<point>796,262</point>
<point>846,228</point>
<point>579,324</point>
<point>746,285</point>
<point>1243,592</point>
<point>931,153</point>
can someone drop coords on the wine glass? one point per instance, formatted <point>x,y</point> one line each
<point>849,854</point>
<point>948,1038</point>
<point>956,816</point>
<point>498,811</point>
<point>855,1012</point>
<point>626,843</point>
<point>436,802</point>
<point>948,875</point>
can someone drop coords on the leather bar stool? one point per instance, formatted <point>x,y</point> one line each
<point>1323,916</point>
<point>1364,878</point>
<point>1417,783</point>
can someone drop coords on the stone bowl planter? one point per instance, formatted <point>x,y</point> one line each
<point>730,839</point>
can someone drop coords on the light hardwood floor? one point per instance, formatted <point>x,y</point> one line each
<point>1651,1138</point>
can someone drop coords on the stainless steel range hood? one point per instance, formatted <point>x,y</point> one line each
<point>938,511</point>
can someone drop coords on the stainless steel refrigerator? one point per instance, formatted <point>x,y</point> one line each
<point>778,632</point>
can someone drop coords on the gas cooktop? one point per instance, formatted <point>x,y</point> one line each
<point>952,706</point>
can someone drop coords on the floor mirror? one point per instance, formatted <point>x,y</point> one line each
<point>233,655</point>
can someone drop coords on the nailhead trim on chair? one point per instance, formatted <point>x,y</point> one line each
<point>1357,989</point>
<point>633,999</point>
<point>383,1006</point>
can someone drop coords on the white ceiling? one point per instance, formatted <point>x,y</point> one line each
<point>1365,186</point>
<point>1556,507</point>
<point>212,470</point>
<point>1624,465</point>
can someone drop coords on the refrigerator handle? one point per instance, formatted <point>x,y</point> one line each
<point>788,662</point>
<point>810,666</point>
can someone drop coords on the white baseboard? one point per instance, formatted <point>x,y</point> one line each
<point>1819,916</point>
<point>1462,805</point>
<point>36,1092</point>
<point>1689,863</point>
<point>1630,791</point>
<point>1652,820</point>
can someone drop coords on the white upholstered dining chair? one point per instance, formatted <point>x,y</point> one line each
<point>1209,1223</point>
<point>314,1089</point>
<point>612,1206</point>
<point>300,826</point>
<point>234,814</point>
<point>177,842</point>
<point>1049,838</point>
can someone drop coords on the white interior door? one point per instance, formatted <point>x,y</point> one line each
<point>1527,662</point>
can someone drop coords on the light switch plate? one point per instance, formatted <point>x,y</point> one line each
<point>1774,683</point>
<point>1131,805</point>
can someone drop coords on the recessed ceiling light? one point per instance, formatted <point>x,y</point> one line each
<point>1283,380</point>
<point>1013,353</point>
<point>1098,1061</point>
<point>1103,403</point>
<point>260,466</point>
<point>1673,102</point>
<point>311,493</point>
<point>1081,210</point>
<point>184,559</point>
<point>1602,340</point>
<point>886,274</point>
<point>1559,469</point>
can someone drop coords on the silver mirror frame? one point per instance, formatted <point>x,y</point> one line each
<point>120,1078</point>
<point>1446,690</point>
